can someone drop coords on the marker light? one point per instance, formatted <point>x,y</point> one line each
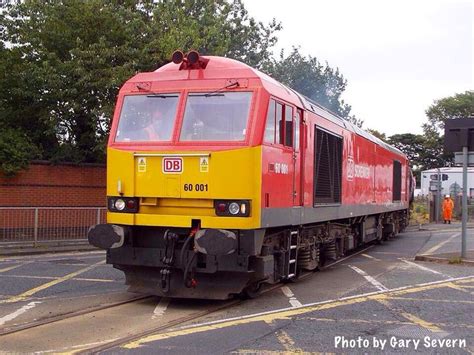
<point>234,208</point>
<point>221,207</point>
<point>131,204</point>
<point>119,204</point>
<point>242,208</point>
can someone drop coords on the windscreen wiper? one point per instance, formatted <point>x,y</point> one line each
<point>161,96</point>
<point>218,92</point>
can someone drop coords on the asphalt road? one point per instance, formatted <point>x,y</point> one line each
<point>380,297</point>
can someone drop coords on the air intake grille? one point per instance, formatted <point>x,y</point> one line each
<point>327,167</point>
<point>397,181</point>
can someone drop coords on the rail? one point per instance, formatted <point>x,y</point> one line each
<point>47,224</point>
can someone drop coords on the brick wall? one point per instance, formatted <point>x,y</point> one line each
<point>49,185</point>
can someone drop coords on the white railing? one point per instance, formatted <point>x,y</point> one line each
<point>46,224</point>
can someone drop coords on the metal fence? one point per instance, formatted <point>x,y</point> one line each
<point>46,224</point>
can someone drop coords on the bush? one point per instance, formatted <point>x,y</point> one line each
<point>16,151</point>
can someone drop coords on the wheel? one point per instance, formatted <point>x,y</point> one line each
<point>252,291</point>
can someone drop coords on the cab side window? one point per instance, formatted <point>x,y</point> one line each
<point>279,125</point>
<point>288,126</point>
<point>270,125</point>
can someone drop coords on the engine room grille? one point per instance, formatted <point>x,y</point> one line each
<point>397,180</point>
<point>327,167</point>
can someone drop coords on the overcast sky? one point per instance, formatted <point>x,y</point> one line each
<point>397,55</point>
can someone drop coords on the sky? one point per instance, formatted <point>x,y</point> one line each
<point>398,56</point>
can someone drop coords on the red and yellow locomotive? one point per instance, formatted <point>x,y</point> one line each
<point>221,179</point>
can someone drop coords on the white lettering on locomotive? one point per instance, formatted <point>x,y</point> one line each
<point>281,168</point>
<point>354,170</point>
<point>362,171</point>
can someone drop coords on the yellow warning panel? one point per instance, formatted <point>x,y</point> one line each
<point>141,165</point>
<point>204,165</point>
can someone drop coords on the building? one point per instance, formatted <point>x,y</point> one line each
<point>452,183</point>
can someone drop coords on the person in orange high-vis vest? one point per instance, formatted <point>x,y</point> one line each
<point>448,206</point>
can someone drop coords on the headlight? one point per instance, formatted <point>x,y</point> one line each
<point>123,204</point>
<point>119,204</point>
<point>234,208</point>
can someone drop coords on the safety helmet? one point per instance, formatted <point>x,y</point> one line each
<point>447,196</point>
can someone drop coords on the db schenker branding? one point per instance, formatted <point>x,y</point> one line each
<point>172,165</point>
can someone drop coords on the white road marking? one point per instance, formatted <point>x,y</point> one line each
<point>294,302</point>
<point>286,291</point>
<point>370,257</point>
<point>421,267</point>
<point>369,278</point>
<point>18,312</point>
<point>12,267</point>
<point>437,246</point>
<point>292,299</point>
<point>161,308</point>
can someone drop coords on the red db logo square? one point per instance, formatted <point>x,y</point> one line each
<point>172,165</point>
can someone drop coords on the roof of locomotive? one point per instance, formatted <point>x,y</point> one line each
<point>227,68</point>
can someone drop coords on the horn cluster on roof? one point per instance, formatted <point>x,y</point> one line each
<point>192,60</point>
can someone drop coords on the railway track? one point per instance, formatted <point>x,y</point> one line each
<point>231,303</point>
<point>103,311</point>
<point>61,317</point>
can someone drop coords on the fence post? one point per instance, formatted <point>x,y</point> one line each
<point>35,233</point>
<point>98,216</point>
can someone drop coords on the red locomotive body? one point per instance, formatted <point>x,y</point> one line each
<point>263,184</point>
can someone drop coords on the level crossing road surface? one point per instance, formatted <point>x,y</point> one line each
<point>379,297</point>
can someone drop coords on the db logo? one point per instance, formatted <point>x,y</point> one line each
<point>172,165</point>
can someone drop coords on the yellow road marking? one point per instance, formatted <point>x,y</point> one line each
<point>411,317</point>
<point>285,340</point>
<point>464,281</point>
<point>376,321</point>
<point>439,245</point>
<point>428,300</point>
<point>459,288</point>
<point>388,322</point>
<point>32,291</point>
<point>12,267</point>
<point>287,313</point>
<point>422,323</point>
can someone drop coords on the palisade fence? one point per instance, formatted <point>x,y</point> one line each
<point>47,224</point>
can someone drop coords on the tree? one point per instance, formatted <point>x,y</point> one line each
<point>457,106</point>
<point>380,135</point>
<point>67,59</point>
<point>309,77</point>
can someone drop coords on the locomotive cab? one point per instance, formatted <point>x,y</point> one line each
<point>183,180</point>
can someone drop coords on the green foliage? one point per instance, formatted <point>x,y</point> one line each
<point>380,135</point>
<point>309,77</point>
<point>423,151</point>
<point>62,63</point>
<point>457,106</point>
<point>16,151</point>
<point>67,60</point>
